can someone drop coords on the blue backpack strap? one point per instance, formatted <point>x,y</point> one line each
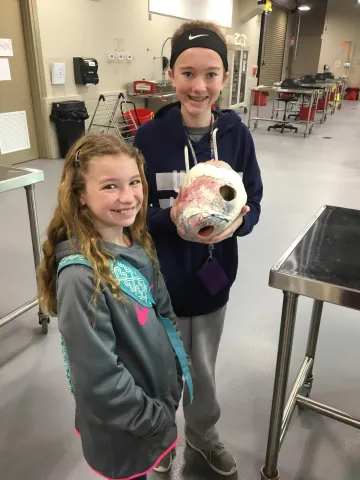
<point>180,353</point>
<point>132,282</point>
<point>76,259</point>
<point>136,286</point>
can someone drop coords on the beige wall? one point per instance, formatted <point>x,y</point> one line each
<point>89,28</point>
<point>310,39</point>
<point>342,25</point>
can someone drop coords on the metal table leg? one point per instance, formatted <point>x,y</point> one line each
<point>307,128</point>
<point>251,102</point>
<point>312,342</point>
<point>44,318</point>
<point>258,109</point>
<point>269,471</point>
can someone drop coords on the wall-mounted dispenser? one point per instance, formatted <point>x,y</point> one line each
<point>85,71</point>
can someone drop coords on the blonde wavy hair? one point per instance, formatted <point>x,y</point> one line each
<point>72,221</point>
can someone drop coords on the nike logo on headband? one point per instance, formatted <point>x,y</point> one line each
<point>197,36</point>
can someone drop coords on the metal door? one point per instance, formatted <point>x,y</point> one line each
<point>18,142</point>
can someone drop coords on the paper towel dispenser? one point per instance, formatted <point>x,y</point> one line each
<point>85,71</point>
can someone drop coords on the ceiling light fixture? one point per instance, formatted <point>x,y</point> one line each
<point>305,8</point>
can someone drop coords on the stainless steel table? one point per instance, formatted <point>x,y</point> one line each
<point>326,88</point>
<point>155,96</point>
<point>312,93</point>
<point>323,263</point>
<point>12,178</point>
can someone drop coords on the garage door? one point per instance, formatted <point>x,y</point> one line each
<point>273,46</point>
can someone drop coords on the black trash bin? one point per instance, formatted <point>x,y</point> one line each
<point>69,118</point>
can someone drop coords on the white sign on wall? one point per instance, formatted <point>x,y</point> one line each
<point>4,69</point>
<point>6,49</point>
<point>218,11</point>
<point>14,134</point>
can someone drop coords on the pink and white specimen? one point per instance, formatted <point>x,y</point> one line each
<point>212,197</point>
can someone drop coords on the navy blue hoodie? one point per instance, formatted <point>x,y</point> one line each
<point>162,141</point>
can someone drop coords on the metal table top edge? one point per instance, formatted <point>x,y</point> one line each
<point>30,176</point>
<point>326,292</point>
<point>261,88</point>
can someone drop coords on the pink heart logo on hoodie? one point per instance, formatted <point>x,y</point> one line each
<point>142,314</point>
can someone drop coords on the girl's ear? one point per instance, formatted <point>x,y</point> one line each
<point>171,76</point>
<point>82,200</point>
<point>225,79</point>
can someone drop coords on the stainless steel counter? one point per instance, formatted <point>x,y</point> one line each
<point>12,178</point>
<point>323,263</point>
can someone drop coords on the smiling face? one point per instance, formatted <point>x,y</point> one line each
<point>198,77</point>
<point>113,192</point>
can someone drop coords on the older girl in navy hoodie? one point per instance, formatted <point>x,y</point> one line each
<point>182,135</point>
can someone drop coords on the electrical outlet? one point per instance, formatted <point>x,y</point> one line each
<point>128,57</point>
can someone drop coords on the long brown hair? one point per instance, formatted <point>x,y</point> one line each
<point>197,24</point>
<point>72,221</point>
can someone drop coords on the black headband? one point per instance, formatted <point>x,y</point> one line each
<point>199,37</point>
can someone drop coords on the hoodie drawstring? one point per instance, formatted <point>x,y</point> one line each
<point>186,154</point>
<point>216,156</point>
<point>214,151</point>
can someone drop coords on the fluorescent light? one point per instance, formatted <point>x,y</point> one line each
<point>304,8</point>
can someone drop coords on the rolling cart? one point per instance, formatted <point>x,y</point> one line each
<point>12,178</point>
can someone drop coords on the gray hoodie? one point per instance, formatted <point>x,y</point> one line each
<point>127,381</point>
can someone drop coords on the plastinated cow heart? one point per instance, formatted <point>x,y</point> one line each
<point>212,197</point>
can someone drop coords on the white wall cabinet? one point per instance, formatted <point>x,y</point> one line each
<point>233,94</point>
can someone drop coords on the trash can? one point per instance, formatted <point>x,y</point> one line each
<point>352,93</point>
<point>69,118</point>
<point>263,96</point>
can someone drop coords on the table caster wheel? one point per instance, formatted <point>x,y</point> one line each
<point>44,322</point>
<point>255,125</point>
<point>245,110</point>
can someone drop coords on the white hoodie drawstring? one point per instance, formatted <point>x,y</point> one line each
<point>216,156</point>
<point>186,154</point>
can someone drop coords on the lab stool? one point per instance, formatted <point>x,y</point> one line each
<point>284,125</point>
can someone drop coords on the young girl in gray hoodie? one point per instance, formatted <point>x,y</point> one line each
<point>124,360</point>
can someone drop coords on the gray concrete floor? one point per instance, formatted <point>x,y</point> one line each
<point>37,440</point>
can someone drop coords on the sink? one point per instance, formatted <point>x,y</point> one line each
<point>165,87</point>
<point>162,87</point>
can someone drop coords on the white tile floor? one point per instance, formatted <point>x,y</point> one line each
<point>37,441</point>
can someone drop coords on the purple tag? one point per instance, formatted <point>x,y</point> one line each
<point>213,277</point>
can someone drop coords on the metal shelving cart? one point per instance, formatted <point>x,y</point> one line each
<point>109,117</point>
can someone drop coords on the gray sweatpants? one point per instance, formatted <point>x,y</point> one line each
<point>201,337</point>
